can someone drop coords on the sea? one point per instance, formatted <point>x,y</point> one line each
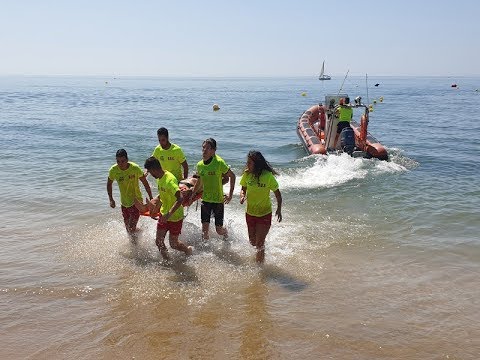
<point>373,259</point>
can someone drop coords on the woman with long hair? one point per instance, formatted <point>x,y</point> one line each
<point>257,181</point>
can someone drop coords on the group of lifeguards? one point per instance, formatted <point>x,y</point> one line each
<point>168,165</point>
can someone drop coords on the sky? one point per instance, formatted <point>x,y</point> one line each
<point>240,38</point>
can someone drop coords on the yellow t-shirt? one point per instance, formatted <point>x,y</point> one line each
<point>127,182</point>
<point>167,188</point>
<point>171,159</point>
<point>258,192</point>
<point>345,113</point>
<point>211,176</point>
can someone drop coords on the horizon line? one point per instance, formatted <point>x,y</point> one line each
<point>113,76</point>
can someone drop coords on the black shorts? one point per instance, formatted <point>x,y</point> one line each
<point>208,208</point>
<point>342,125</point>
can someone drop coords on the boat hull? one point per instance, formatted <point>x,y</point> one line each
<point>306,131</point>
<point>372,146</point>
<point>310,130</point>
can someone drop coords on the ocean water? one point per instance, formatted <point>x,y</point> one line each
<point>373,259</point>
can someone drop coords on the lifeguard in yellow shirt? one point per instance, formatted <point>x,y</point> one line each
<point>212,171</point>
<point>169,204</point>
<point>170,155</point>
<point>345,115</point>
<point>127,174</point>
<point>257,181</point>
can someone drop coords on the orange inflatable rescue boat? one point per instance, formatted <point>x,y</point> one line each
<point>317,129</point>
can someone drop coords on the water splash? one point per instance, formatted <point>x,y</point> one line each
<point>330,171</point>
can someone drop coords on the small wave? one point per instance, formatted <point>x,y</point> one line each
<point>291,146</point>
<point>397,156</point>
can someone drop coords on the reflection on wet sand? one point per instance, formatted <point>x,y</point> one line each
<point>275,274</point>
<point>257,328</point>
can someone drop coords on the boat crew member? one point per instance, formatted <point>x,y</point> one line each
<point>345,115</point>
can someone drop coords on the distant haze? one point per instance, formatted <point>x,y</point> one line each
<point>239,38</point>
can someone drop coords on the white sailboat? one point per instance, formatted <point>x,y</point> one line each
<point>322,75</point>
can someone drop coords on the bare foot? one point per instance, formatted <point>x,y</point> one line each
<point>189,251</point>
<point>260,258</point>
<point>165,255</point>
<point>133,239</point>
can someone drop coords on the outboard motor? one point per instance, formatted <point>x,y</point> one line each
<point>347,140</point>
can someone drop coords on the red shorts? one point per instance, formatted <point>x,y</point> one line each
<point>253,221</point>
<point>175,227</point>
<point>130,214</point>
